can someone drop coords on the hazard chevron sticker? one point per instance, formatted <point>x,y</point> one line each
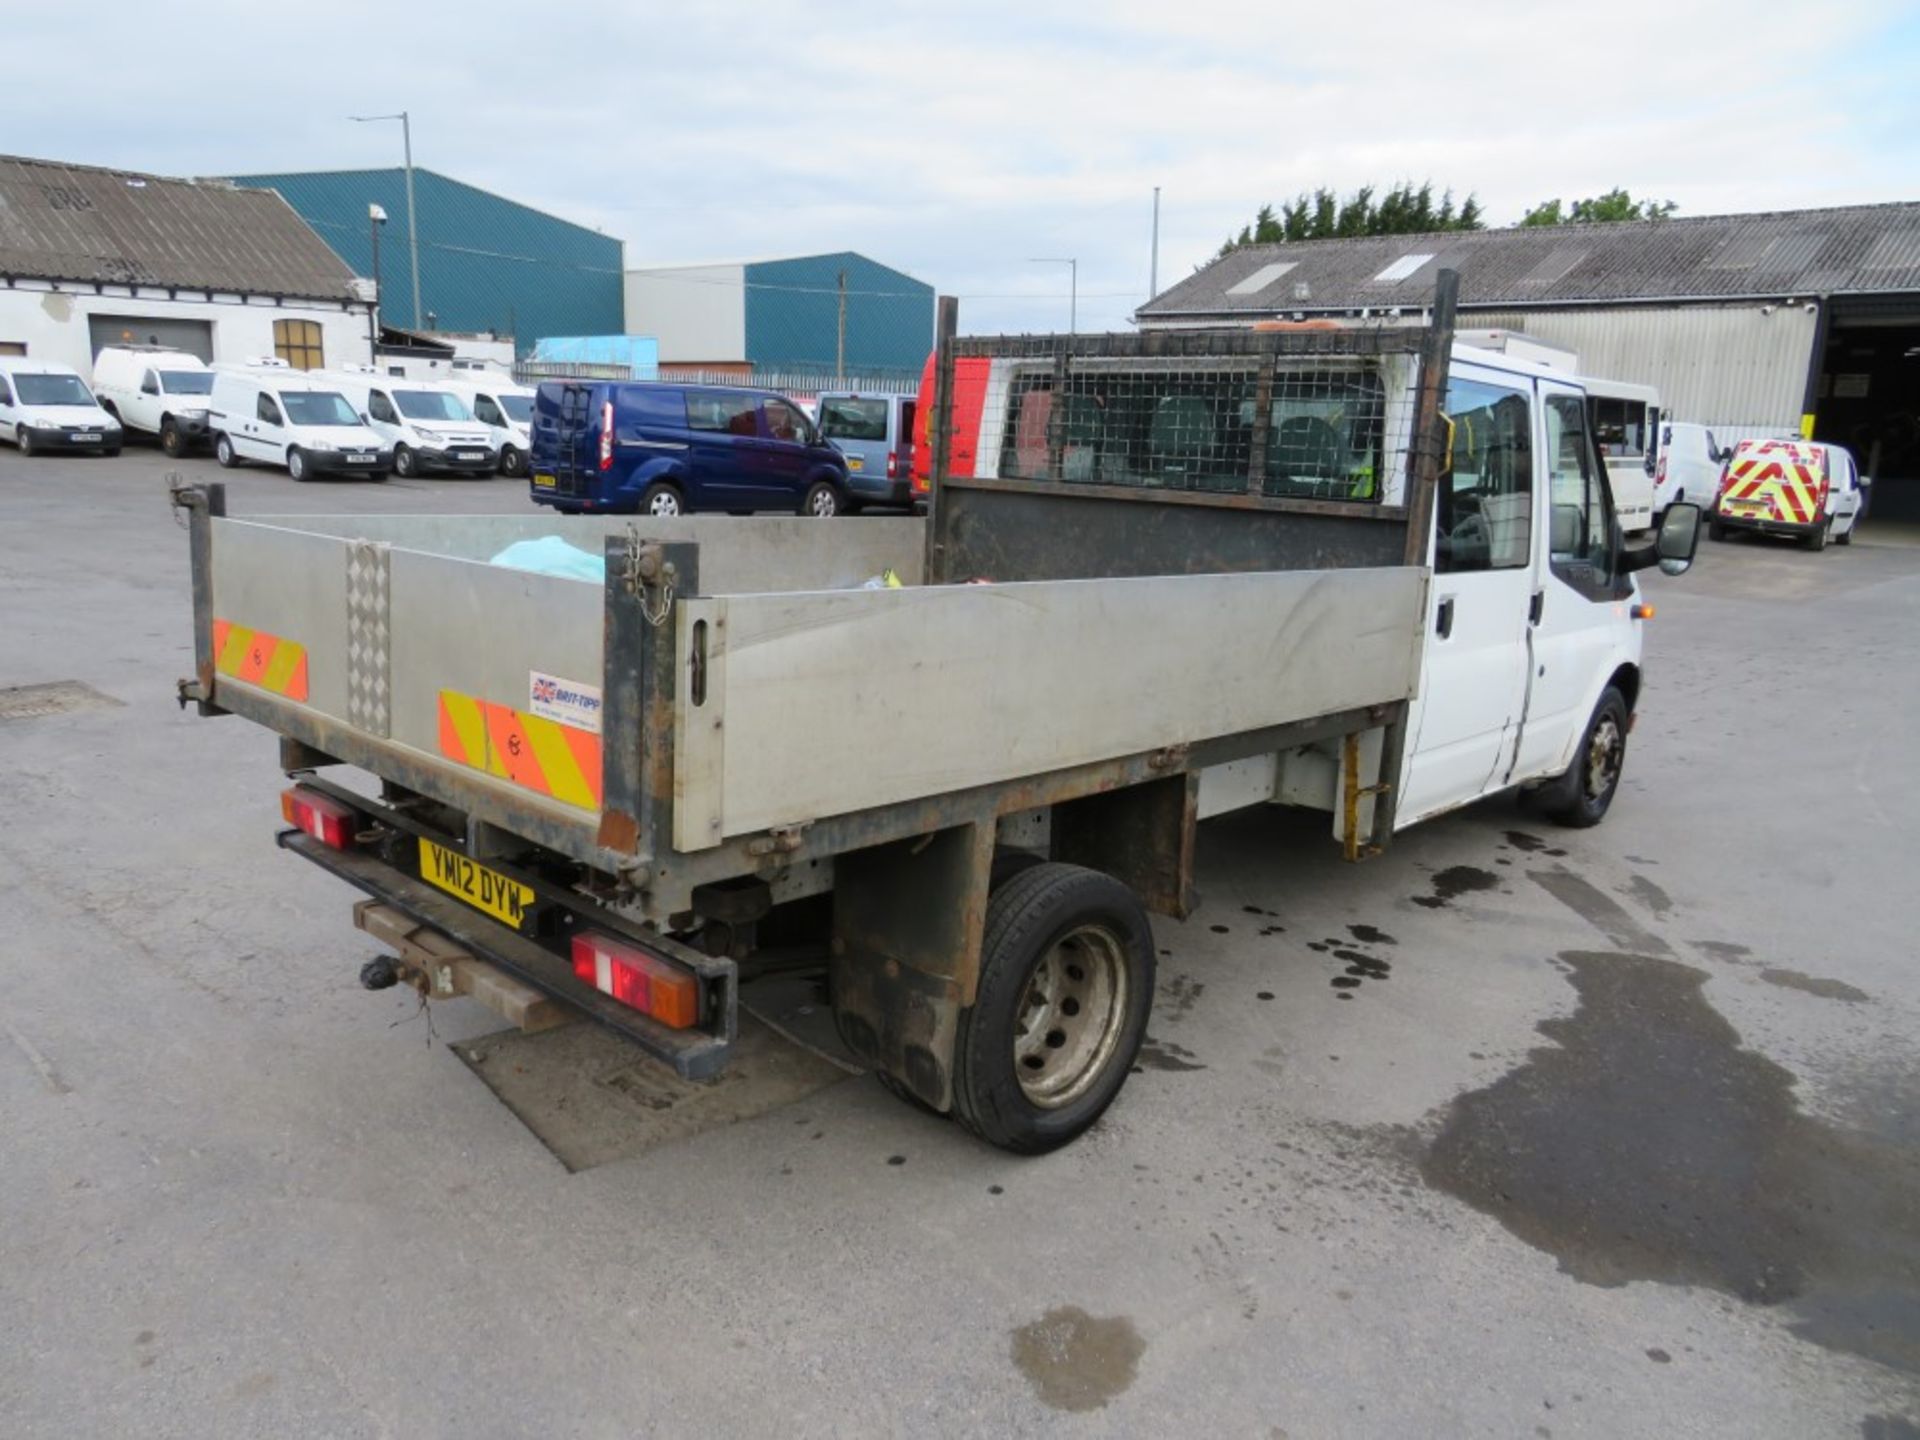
<point>272,662</point>
<point>541,755</point>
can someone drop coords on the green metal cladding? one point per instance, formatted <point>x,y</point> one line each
<point>793,315</point>
<point>486,263</point>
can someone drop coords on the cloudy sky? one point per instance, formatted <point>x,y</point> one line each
<point>960,141</point>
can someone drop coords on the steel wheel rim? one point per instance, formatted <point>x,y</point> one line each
<point>1071,1015</point>
<point>665,503</point>
<point>1604,754</point>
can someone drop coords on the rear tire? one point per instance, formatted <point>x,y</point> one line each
<point>1715,530</point>
<point>224,452</point>
<point>663,500</point>
<point>1817,541</point>
<point>822,501</point>
<point>1582,796</point>
<point>1066,986</point>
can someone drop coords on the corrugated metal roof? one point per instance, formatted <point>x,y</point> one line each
<point>118,227</point>
<point>1860,248</point>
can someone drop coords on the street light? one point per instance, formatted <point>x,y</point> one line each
<point>1073,295</point>
<point>376,217</point>
<point>413,235</point>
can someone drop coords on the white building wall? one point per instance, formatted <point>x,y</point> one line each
<point>698,313</point>
<point>1735,365</point>
<point>52,321</point>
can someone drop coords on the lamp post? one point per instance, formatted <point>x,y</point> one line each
<point>1073,280</point>
<point>376,217</point>
<point>413,234</point>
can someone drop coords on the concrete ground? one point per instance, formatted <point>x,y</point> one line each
<point>1614,1135</point>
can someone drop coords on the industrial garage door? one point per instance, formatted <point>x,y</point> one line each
<point>193,336</point>
<point>1868,395</point>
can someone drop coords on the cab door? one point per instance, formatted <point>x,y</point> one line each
<point>1579,602</point>
<point>1473,682</point>
<point>263,435</point>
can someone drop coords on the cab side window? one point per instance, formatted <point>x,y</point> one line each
<point>1581,528</point>
<point>265,411</point>
<point>150,384</point>
<point>486,412</point>
<point>6,392</point>
<point>381,408</point>
<point>1483,515</point>
<point>784,422</point>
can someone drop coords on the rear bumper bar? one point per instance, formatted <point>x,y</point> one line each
<point>695,1054</point>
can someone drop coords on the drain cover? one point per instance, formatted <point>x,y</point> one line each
<point>56,697</point>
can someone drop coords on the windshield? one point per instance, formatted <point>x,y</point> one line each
<point>187,382</point>
<point>318,407</point>
<point>431,405</point>
<point>845,419</point>
<point>52,390</point>
<point>519,408</point>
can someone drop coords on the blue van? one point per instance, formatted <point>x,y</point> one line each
<point>605,446</point>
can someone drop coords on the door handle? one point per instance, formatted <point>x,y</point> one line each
<point>1536,607</point>
<point>1443,618</point>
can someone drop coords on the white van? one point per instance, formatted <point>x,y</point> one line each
<point>506,409</point>
<point>155,390</point>
<point>429,428</point>
<point>276,415</point>
<point>47,406</point>
<point>1626,420</point>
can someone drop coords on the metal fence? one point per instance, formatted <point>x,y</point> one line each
<point>801,384</point>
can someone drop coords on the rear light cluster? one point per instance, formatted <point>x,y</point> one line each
<point>327,820</point>
<point>634,977</point>
<point>606,436</point>
<point>893,464</point>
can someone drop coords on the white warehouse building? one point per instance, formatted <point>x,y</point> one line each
<point>92,257</point>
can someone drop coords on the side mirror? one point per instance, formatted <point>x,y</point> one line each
<point>1673,547</point>
<point>365,419</point>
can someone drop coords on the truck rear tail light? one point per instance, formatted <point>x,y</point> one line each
<point>327,820</point>
<point>634,977</point>
<point>893,464</point>
<point>606,436</point>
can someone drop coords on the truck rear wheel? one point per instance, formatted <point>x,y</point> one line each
<point>1817,541</point>
<point>1066,985</point>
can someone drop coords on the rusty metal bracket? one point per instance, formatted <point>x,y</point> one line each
<point>780,840</point>
<point>1353,793</point>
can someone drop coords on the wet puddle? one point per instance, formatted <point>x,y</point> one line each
<point>1157,1054</point>
<point>1457,880</point>
<point>1645,1143</point>
<point>1077,1361</point>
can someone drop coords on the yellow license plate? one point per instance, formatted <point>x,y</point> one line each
<point>854,462</point>
<point>486,890</point>
<point>543,480</point>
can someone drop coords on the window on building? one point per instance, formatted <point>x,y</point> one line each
<point>1483,515</point>
<point>13,347</point>
<point>1620,426</point>
<point>298,343</point>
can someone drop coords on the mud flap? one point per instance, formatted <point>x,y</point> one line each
<point>907,924</point>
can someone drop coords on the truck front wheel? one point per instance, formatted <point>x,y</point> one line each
<point>1066,985</point>
<point>1582,796</point>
